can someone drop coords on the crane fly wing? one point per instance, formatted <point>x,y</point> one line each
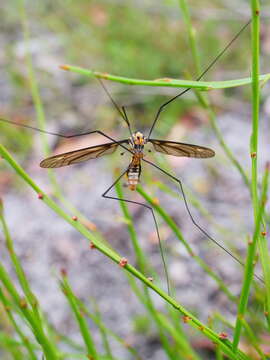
<point>181,149</point>
<point>77,156</point>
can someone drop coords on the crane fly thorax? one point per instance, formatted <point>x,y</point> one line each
<point>137,142</point>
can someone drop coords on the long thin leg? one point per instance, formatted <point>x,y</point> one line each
<point>197,79</point>
<point>155,221</point>
<point>127,121</point>
<point>67,136</point>
<point>121,112</point>
<point>192,218</point>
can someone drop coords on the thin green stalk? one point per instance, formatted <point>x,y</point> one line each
<point>166,82</point>
<point>143,266</point>
<point>183,344</point>
<point>103,333</point>
<point>257,207</point>
<point>140,257</point>
<point>219,355</point>
<point>161,331</point>
<point>31,298</point>
<point>253,339</point>
<point>263,247</point>
<point>191,35</point>
<point>179,338</point>
<point>98,321</point>
<point>194,322</point>
<point>40,115</point>
<point>203,99</point>
<point>24,339</point>
<point>48,347</point>
<point>169,221</point>
<point>82,323</point>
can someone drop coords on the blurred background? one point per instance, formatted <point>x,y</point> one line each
<point>145,40</point>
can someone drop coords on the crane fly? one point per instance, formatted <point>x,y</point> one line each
<point>135,146</point>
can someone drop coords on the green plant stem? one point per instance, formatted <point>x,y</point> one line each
<point>84,330</point>
<point>31,298</point>
<point>48,347</point>
<point>103,332</point>
<point>140,257</point>
<point>166,82</point>
<point>21,335</point>
<point>253,339</point>
<point>144,267</point>
<point>193,321</point>
<point>40,114</point>
<point>169,221</point>
<point>191,35</point>
<point>98,321</point>
<point>263,247</point>
<point>257,208</point>
<point>203,99</point>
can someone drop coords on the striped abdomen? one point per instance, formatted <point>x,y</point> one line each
<point>133,173</point>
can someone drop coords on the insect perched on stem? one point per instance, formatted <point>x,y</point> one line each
<point>135,146</point>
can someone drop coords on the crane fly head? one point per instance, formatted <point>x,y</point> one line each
<point>137,141</point>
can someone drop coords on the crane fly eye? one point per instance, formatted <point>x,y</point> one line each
<point>138,138</point>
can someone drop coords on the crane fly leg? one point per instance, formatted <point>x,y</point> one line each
<point>192,218</point>
<point>154,218</point>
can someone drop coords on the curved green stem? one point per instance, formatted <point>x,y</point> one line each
<point>165,82</point>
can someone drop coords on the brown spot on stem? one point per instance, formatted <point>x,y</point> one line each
<point>263,233</point>
<point>150,279</point>
<point>102,75</point>
<point>223,335</point>
<point>40,196</point>
<point>92,245</point>
<point>74,218</point>
<point>63,272</point>
<point>186,319</point>
<point>123,262</point>
<point>23,303</point>
<point>253,155</point>
<point>64,67</point>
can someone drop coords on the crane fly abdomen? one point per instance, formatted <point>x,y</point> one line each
<point>134,172</point>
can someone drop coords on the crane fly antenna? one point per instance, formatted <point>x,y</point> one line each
<point>193,220</point>
<point>198,78</point>
<point>123,112</point>
<point>155,222</point>
<point>127,121</point>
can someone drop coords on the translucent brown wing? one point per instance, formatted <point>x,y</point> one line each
<point>77,156</point>
<point>181,149</point>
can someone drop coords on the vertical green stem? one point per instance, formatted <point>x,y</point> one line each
<point>249,268</point>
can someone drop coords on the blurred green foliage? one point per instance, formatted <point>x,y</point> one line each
<point>136,39</point>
